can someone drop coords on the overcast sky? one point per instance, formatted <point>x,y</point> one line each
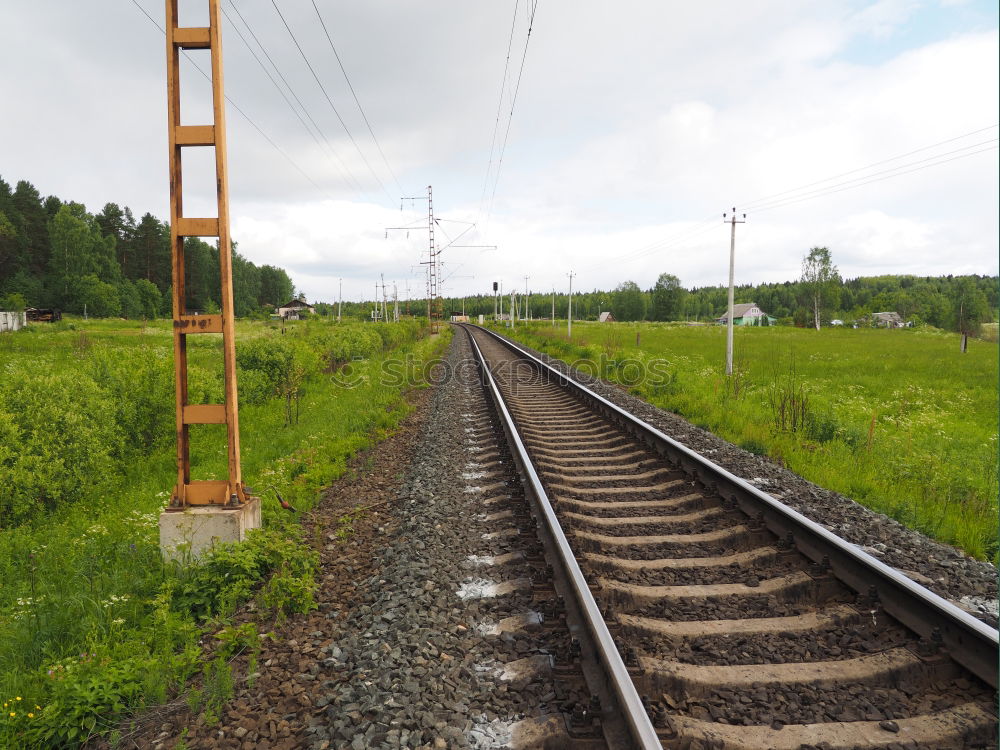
<point>637,123</point>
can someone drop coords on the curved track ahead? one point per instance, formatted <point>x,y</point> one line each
<point>740,623</point>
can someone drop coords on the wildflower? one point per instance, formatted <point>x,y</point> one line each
<point>31,715</point>
<point>18,698</point>
<point>13,714</point>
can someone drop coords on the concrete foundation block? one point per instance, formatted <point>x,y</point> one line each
<point>187,534</point>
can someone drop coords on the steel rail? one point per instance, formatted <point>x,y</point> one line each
<point>639,725</point>
<point>969,641</point>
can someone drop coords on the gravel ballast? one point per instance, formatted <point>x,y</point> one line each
<point>416,665</point>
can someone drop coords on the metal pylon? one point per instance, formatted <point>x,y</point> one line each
<point>186,492</point>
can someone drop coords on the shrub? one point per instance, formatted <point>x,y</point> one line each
<point>141,384</point>
<point>227,575</point>
<point>64,435</point>
<point>270,357</point>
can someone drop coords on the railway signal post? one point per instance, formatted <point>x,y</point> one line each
<point>202,512</point>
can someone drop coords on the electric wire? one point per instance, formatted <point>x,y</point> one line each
<point>322,88</point>
<point>330,151</point>
<point>233,104</point>
<point>356,101</point>
<point>496,124</point>
<point>513,104</point>
<point>329,146</point>
<point>878,179</point>
<point>749,205</point>
<point>792,196</point>
<point>796,196</point>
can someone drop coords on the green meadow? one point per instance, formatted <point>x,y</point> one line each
<point>898,420</point>
<point>93,623</point>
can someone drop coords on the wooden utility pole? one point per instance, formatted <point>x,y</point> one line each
<point>385,302</point>
<point>569,313</point>
<point>524,313</point>
<point>340,300</point>
<point>553,306</point>
<point>227,491</point>
<point>732,271</point>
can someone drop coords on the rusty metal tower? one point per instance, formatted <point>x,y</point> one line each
<point>187,492</point>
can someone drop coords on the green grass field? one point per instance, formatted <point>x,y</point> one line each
<point>898,420</point>
<point>93,624</point>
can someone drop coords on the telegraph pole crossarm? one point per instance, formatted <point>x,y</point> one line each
<point>732,220</point>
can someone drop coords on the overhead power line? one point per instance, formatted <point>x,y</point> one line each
<point>330,151</point>
<point>751,204</point>
<point>322,88</point>
<point>796,195</point>
<point>496,124</point>
<point>233,104</point>
<point>513,104</point>
<point>937,161</point>
<point>356,101</point>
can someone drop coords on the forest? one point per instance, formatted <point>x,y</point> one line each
<point>949,302</point>
<point>54,253</point>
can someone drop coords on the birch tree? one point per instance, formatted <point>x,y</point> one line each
<point>820,278</point>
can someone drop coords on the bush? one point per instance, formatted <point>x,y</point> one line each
<point>61,436</point>
<point>270,357</point>
<point>228,574</point>
<point>142,385</point>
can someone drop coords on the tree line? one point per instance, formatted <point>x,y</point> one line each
<point>56,254</point>
<point>958,303</point>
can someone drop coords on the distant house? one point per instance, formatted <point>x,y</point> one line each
<point>887,320</point>
<point>747,314</point>
<point>606,317</point>
<point>836,322</point>
<point>12,321</point>
<point>459,318</point>
<point>295,309</point>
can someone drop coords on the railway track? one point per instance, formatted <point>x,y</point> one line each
<point>710,615</point>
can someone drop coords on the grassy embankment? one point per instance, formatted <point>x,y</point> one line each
<point>93,624</point>
<point>900,420</point>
